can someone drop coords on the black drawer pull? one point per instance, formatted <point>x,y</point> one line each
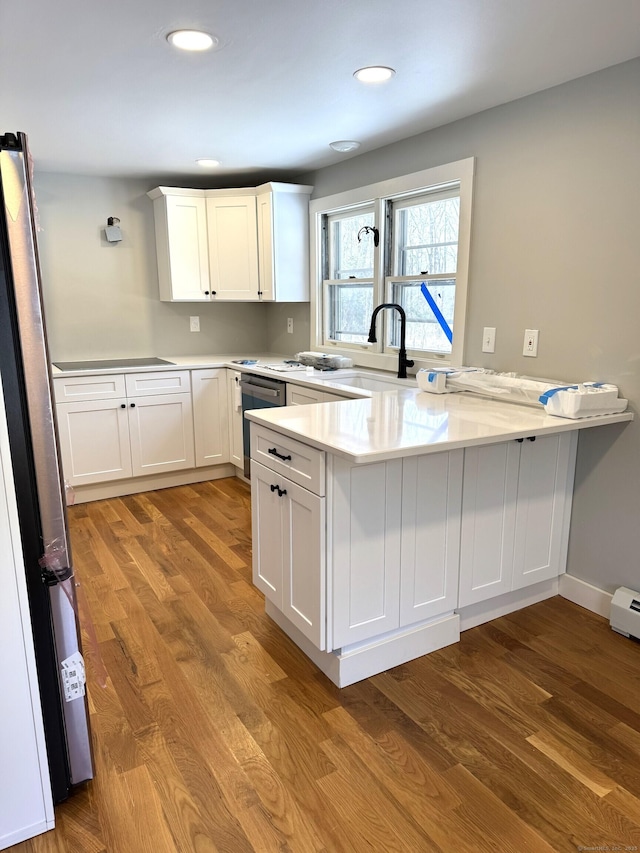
<point>282,492</point>
<point>274,452</point>
<point>273,488</point>
<point>277,489</point>
<point>519,440</point>
<point>531,438</point>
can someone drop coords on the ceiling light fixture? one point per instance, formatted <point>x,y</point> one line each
<point>207,162</point>
<point>192,40</point>
<point>374,74</point>
<point>344,145</point>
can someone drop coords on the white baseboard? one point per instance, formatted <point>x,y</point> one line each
<point>135,485</point>
<point>586,595</point>
<point>484,611</point>
<point>353,663</point>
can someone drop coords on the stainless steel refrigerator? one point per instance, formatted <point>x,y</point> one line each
<point>33,439</point>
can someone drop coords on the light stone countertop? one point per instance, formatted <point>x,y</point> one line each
<point>373,427</point>
<point>319,379</point>
<point>394,424</point>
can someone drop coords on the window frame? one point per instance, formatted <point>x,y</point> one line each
<point>436,179</point>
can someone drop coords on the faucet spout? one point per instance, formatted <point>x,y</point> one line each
<point>403,361</point>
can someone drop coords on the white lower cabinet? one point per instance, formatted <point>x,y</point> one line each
<point>430,545</point>
<point>395,543</point>
<point>210,416</point>
<point>94,440</point>
<point>289,549</point>
<point>516,506</point>
<point>300,395</point>
<point>234,400</point>
<point>161,433</point>
<point>365,552</point>
<point>377,578</point>
<point>114,438</point>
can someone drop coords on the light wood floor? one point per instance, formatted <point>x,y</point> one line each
<point>214,733</point>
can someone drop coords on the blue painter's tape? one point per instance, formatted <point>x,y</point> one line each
<point>446,328</point>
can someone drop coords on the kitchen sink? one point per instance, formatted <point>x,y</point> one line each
<point>371,381</point>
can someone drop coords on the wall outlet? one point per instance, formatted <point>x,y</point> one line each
<point>530,343</point>
<point>194,324</point>
<point>489,339</point>
<point>290,325</point>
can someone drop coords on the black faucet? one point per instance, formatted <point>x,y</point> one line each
<point>403,361</point>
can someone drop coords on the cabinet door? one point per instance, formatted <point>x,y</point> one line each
<point>184,271</point>
<point>289,564</point>
<point>488,521</point>
<point>431,503</point>
<point>264,203</point>
<point>283,242</point>
<point>94,441</point>
<point>267,510</point>
<point>234,398</point>
<point>365,550</point>
<point>210,416</point>
<point>545,485</point>
<point>304,577</point>
<point>161,432</point>
<point>233,248</point>
<point>297,395</point>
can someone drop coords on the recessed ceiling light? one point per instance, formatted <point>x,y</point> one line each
<point>207,162</point>
<point>374,74</point>
<point>192,40</point>
<point>344,145</point>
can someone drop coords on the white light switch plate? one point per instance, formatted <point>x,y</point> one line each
<point>194,324</point>
<point>489,339</point>
<point>530,343</point>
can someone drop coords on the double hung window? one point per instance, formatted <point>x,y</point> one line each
<point>404,241</point>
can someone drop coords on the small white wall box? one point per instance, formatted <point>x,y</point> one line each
<point>625,612</point>
<point>112,231</point>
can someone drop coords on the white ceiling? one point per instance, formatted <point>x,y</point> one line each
<point>99,91</point>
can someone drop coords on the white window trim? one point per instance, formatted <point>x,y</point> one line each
<point>370,355</point>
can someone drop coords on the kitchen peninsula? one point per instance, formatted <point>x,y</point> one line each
<point>384,526</point>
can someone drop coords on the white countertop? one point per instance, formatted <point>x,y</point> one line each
<point>319,379</point>
<point>374,427</point>
<point>393,424</point>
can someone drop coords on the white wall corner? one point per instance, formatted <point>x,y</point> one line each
<point>586,595</point>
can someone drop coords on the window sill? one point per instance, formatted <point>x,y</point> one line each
<point>363,357</point>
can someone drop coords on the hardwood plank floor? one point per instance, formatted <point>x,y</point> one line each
<point>213,732</point>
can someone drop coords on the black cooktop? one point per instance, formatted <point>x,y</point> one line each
<point>110,363</point>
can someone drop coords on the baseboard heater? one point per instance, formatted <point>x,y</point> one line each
<point>625,612</point>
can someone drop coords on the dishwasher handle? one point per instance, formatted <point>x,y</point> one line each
<point>259,392</point>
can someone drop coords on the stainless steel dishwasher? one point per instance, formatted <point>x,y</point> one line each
<point>258,392</point>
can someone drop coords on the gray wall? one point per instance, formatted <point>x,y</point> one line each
<point>555,247</point>
<point>101,299</point>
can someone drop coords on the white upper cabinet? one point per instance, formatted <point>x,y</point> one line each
<point>283,242</point>
<point>233,248</point>
<point>248,244</point>
<point>181,244</point>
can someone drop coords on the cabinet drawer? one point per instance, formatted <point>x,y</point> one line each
<point>69,389</point>
<point>162,382</point>
<point>298,395</point>
<point>303,464</point>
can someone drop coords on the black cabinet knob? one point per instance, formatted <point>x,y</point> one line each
<point>206,293</point>
<point>213,292</point>
<point>123,406</point>
<point>133,405</point>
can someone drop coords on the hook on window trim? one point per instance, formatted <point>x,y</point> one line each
<point>370,229</point>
